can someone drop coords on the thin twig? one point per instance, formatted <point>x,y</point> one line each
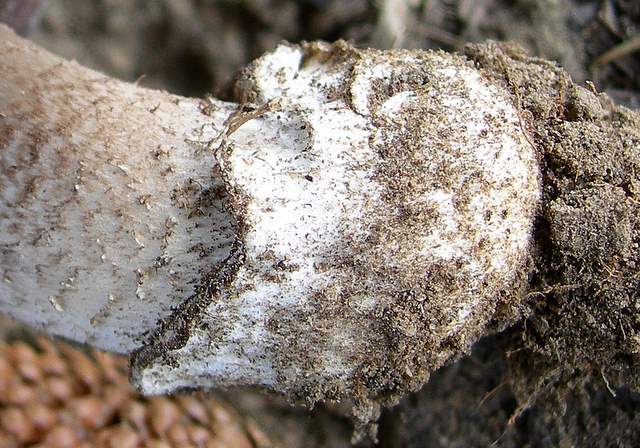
<point>618,51</point>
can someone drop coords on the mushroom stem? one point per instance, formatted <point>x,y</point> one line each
<point>109,206</point>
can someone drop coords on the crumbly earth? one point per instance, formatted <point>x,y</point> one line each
<point>471,404</point>
<point>585,293</point>
<point>551,379</point>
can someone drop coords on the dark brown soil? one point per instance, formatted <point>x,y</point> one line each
<point>471,404</point>
<point>558,370</point>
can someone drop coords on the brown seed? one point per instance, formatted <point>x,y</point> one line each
<point>22,353</point>
<point>61,389</point>
<point>178,435</point>
<point>15,422</point>
<point>118,437</point>
<point>163,414</point>
<point>258,436</point>
<point>116,396</point>
<point>7,373</point>
<point>53,364</point>
<point>90,411</point>
<point>83,367</point>
<point>215,443</point>
<point>25,360</point>
<point>233,436</point>
<point>135,413</point>
<point>30,371</point>
<point>228,431</point>
<point>194,408</point>
<point>61,437</point>
<point>157,444</point>
<point>198,435</point>
<point>7,440</point>
<point>46,345</point>
<point>218,412</point>
<point>113,368</point>
<point>20,393</point>
<point>42,417</point>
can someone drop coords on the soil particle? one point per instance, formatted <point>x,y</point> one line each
<point>471,404</point>
<point>585,292</point>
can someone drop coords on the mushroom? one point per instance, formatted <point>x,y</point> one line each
<point>356,219</point>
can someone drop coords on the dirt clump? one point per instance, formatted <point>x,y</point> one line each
<point>583,323</point>
<point>471,404</point>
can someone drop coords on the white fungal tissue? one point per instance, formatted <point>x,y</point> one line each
<point>345,228</point>
<point>389,197</point>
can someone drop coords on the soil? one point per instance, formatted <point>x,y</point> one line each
<point>552,371</point>
<point>471,403</point>
<point>566,374</point>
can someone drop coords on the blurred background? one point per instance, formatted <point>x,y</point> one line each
<point>194,47</point>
